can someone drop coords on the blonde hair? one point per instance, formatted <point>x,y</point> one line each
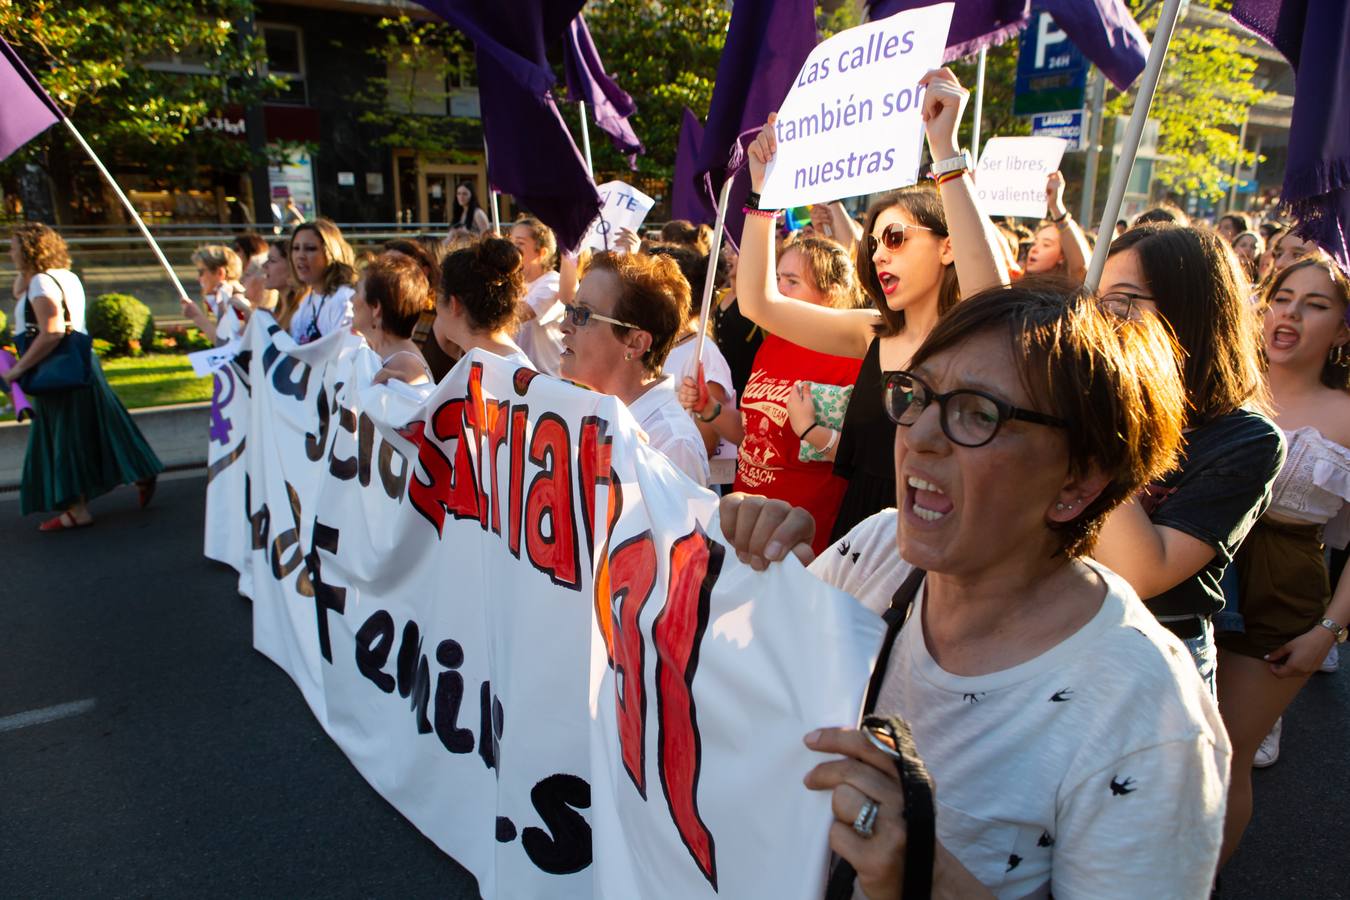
<point>217,257</point>
<point>831,269</point>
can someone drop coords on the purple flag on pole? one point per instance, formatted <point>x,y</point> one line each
<point>767,42</point>
<point>587,80</point>
<point>1106,33</point>
<point>27,111</point>
<point>531,155</point>
<point>1314,35</point>
<point>687,197</point>
<point>976,24</point>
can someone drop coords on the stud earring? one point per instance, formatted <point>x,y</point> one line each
<point>1063,506</point>
<point>628,356</point>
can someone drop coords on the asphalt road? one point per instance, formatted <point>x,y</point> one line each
<point>188,765</point>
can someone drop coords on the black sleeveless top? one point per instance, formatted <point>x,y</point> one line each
<point>738,338</point>
<point>866,454</point>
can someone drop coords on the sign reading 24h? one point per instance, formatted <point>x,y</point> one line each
<point>1051,72</point>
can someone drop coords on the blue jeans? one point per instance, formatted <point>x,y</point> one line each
<point>1205,656</point>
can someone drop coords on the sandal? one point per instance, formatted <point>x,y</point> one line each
<point>145,490</point>
<point>63,522</point>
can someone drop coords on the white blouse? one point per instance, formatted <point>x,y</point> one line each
<point>1313,486</point>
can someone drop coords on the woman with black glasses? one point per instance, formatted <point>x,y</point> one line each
<point>917,240</point>
<point>616,336</point>
<point>1173,542</point>
<point>1073,748</point>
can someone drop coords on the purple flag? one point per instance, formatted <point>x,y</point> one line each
<point>1314,35</point>
<point>531,155</point>
<point>587,80</point>
<point>688,200</point>
<point>976,24</point>
<point>767,42</point>
<point>27,111</point>
<point>1106,33</point>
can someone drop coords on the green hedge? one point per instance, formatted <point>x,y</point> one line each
<point>121,320</point>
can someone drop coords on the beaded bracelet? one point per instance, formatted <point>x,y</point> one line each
<point>762,213</point>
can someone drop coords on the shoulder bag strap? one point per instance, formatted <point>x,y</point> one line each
<point>902,601</point>
<point>30,317</point>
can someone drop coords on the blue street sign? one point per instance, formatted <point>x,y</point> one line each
<point>1067,125</point>
<point>1051,73</point>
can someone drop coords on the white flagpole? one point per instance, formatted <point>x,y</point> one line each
<point>979,105</point>
<point>1134,132</point>
<point>492,193</point>
<point>586,139</point>
<point>135,216</point>
<point>710,280</point>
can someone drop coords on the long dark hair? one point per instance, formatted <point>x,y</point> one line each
<point>924,206</point>
<point>464,215</point>
<point>1200,291</point>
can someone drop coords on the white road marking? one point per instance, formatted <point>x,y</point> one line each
<point>46,714</point>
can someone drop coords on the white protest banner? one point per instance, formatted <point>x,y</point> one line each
<point>852,122</point>
<point>624,207</point>
<point>204,362</point>
<point>1010,179</point>
<point>515,619</point>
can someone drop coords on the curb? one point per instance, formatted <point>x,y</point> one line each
<point>177,433</point>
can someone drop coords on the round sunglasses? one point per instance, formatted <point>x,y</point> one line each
<point>893,236</point>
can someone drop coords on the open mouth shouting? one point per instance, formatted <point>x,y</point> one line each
<point>926,501</point>
<point>1283,338</point>
<point>889,283</point>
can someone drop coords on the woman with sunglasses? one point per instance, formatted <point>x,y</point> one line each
<point>1174,541</point>
<point>480,287</point>
<point>915,243</point>
<point>627,313</point>
<point>1074,751</point>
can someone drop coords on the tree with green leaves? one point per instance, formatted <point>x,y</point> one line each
<point>137,77</point>
<point>409,103</point>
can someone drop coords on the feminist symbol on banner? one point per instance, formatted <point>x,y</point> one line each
<point>220,426</point>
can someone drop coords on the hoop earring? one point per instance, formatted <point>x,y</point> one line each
<point>1337,356</point>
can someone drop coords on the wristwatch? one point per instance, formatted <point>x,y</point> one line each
<point>1339,630</point>
<point>954,164</point>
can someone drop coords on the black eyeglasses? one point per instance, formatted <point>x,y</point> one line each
<point>1124,304</point>
<point>893,236</point>
<point>580,315</point>
<point>968,417</point>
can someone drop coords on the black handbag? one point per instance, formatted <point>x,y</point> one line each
<point>68,366</point>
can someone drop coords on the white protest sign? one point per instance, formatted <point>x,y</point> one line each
<point>852,123</point>
<point>517,621</point>
<point>204,362</point>
<point>1010,179</point>
<point>624,206</point>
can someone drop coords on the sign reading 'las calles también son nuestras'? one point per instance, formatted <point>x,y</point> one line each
<point>852,123</point>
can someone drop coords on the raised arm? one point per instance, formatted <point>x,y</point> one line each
<point>974,238</point>
<point>838,332</point>
<point>1073,243</point>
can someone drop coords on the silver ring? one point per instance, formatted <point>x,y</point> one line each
<point>867,818</point>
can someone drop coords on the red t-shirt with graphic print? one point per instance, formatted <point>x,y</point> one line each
<point>768,463</point>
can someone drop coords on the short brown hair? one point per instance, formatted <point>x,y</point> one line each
<point>1114,381</point>
<point>396,285</point>
<point>1201,292</point>
<point>653,295</point>
<point>925,207</point>
<point>682,231</point>
<point>41,248</point>
<point>219,258</point>
<point>1333,376</point>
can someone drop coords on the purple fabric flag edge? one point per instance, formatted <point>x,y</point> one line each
<point>28,110</point>
<point>587,80</point>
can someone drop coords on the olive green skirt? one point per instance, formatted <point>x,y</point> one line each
<point>81,444</point>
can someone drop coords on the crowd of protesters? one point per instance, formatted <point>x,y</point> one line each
<point>1107,512</point>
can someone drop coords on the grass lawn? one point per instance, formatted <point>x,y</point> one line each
<point>156,379</point>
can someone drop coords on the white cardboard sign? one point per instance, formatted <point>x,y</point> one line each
<point>852,123</point>
<point>1010,179</point>
<point>624,207</point>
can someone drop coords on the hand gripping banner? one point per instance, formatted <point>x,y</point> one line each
<point>519,623</point>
